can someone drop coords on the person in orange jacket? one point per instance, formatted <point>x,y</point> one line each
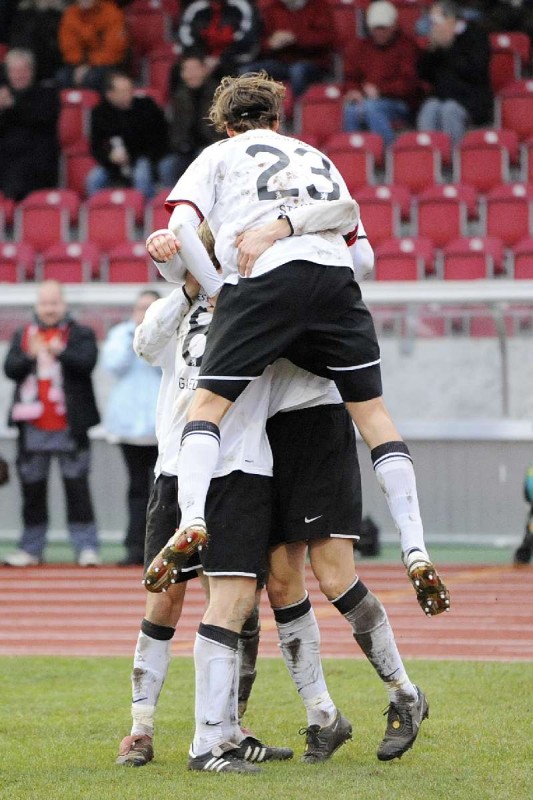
<point>92,40</point>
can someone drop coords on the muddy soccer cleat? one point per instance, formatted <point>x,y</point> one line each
<point>321,743</point>
<point>432,595</point>
<point>403,724</point>
<point>251,749</point>
<point>135,751</point>
<point>165,567</point>
<point>223,757</point>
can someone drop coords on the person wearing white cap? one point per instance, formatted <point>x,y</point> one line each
<point>381,75</point>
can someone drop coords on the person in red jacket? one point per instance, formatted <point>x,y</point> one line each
<point>381,75</point>
<point>298,41</point>
<point>92,39</point>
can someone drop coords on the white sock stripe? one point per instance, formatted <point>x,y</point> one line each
<point>358,366</point>
<point>397,456</point>
<point>201,433</point>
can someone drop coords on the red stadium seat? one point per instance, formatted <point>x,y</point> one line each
<point>355,155</point>
<point>44,217</point>
<point>109,216</point>
<point>523,259</point>
<point>415,160</point>
<point>156,216</point>
<point>510,57</point>
<point>17,262</point>
<point>409,12</point>
<point>129,262</point>
<point>152,92</point>
<point>70,262</point>
<point>406,259</point>
<point>159,64</point>
<point>7,210</point>
<point>472,258</point>
<point>147,28</point>
<point>483,158</point>
<point>527,161</point>
<point>514,108</point>
<point>319,111</point>
<point>509,213</point>
<point>441,213</point>
<point>345,21</point>
<point>76,163</point>
<point>74,115</point>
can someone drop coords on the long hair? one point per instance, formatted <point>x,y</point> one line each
<point>252,100</point>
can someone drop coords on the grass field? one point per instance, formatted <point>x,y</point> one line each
<point>62,719</point>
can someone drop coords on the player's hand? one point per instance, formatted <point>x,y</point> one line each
<point>162,246</point>
<point>252,243</point>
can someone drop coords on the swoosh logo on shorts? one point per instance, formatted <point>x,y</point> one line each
<point>312,519</point>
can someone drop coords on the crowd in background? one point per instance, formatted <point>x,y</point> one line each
<point>435,79</point>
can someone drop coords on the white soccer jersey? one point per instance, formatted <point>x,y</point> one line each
<point>252,178</point>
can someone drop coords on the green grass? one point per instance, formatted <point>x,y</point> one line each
<point>62,719</point>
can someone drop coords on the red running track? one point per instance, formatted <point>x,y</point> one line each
<point>67,610</point>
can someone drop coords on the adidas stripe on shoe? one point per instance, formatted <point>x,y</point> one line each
<point>223,757</point>
<point>251,749</point>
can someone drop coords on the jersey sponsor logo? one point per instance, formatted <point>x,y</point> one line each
<point>312,519</point>
<point>188,383</point>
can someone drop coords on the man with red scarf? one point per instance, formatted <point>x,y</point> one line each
<point>51,361</point>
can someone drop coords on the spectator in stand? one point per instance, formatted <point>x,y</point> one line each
<point>298,40</point>
<point>92,40</point>
<point>192,90</point>
<point>35,26</point>
<point>129,139</point>
<point>51,361</point>
<point>228,32</point>
<point>380,72</point>
<point>130,420</point>
<point>29,111</point>
<point>456,66</point>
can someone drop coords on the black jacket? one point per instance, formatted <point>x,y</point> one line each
<point>142,127</point>
<point>461,72</point>
<point>189,128</point>
<point>77,360</point>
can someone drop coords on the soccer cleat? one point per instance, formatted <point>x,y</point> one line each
<point>321,743</point>
<point>135,751</point>
<point>251,749</point>
<point>165,567</point>
<point>403,724</point>
<point>223,757</point>
<point>432,594</point>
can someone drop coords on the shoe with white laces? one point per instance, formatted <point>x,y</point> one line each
<point>88,558</point>
<point>164,569</point>
<point>431,592</point>
<point>223,757</point>
<point>403,725</point>
<point>135,751</point>
<point>20,558</point>
<point>251,749</point>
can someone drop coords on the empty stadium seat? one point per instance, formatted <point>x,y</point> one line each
<point>70,262</point>
<point>415,159</point>
<point>508,212</point>
<point>7,210</point>
<point>129,262</point>
<point>156,216</point>
<point>483,158</point>
<point>110,216</point>
<point>356,156</point>
<point>17,262</point>
<point>510,56</point>
<point>523,259</point>
<point>405,259</point>
<point>441,212</point>
<point>76,163</point>
<point>319,111</point>
<point>470,258</point>
<point>75,114</point>
<point>514,108</point>
<point>527,161</point>
<point>44,217</point>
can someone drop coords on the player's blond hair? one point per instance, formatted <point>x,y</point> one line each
<point>205,234</point>
<point>248,101</point>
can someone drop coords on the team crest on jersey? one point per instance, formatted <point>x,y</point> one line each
<point>194,343</point>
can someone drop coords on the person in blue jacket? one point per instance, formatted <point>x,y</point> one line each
<point>130,420</point>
